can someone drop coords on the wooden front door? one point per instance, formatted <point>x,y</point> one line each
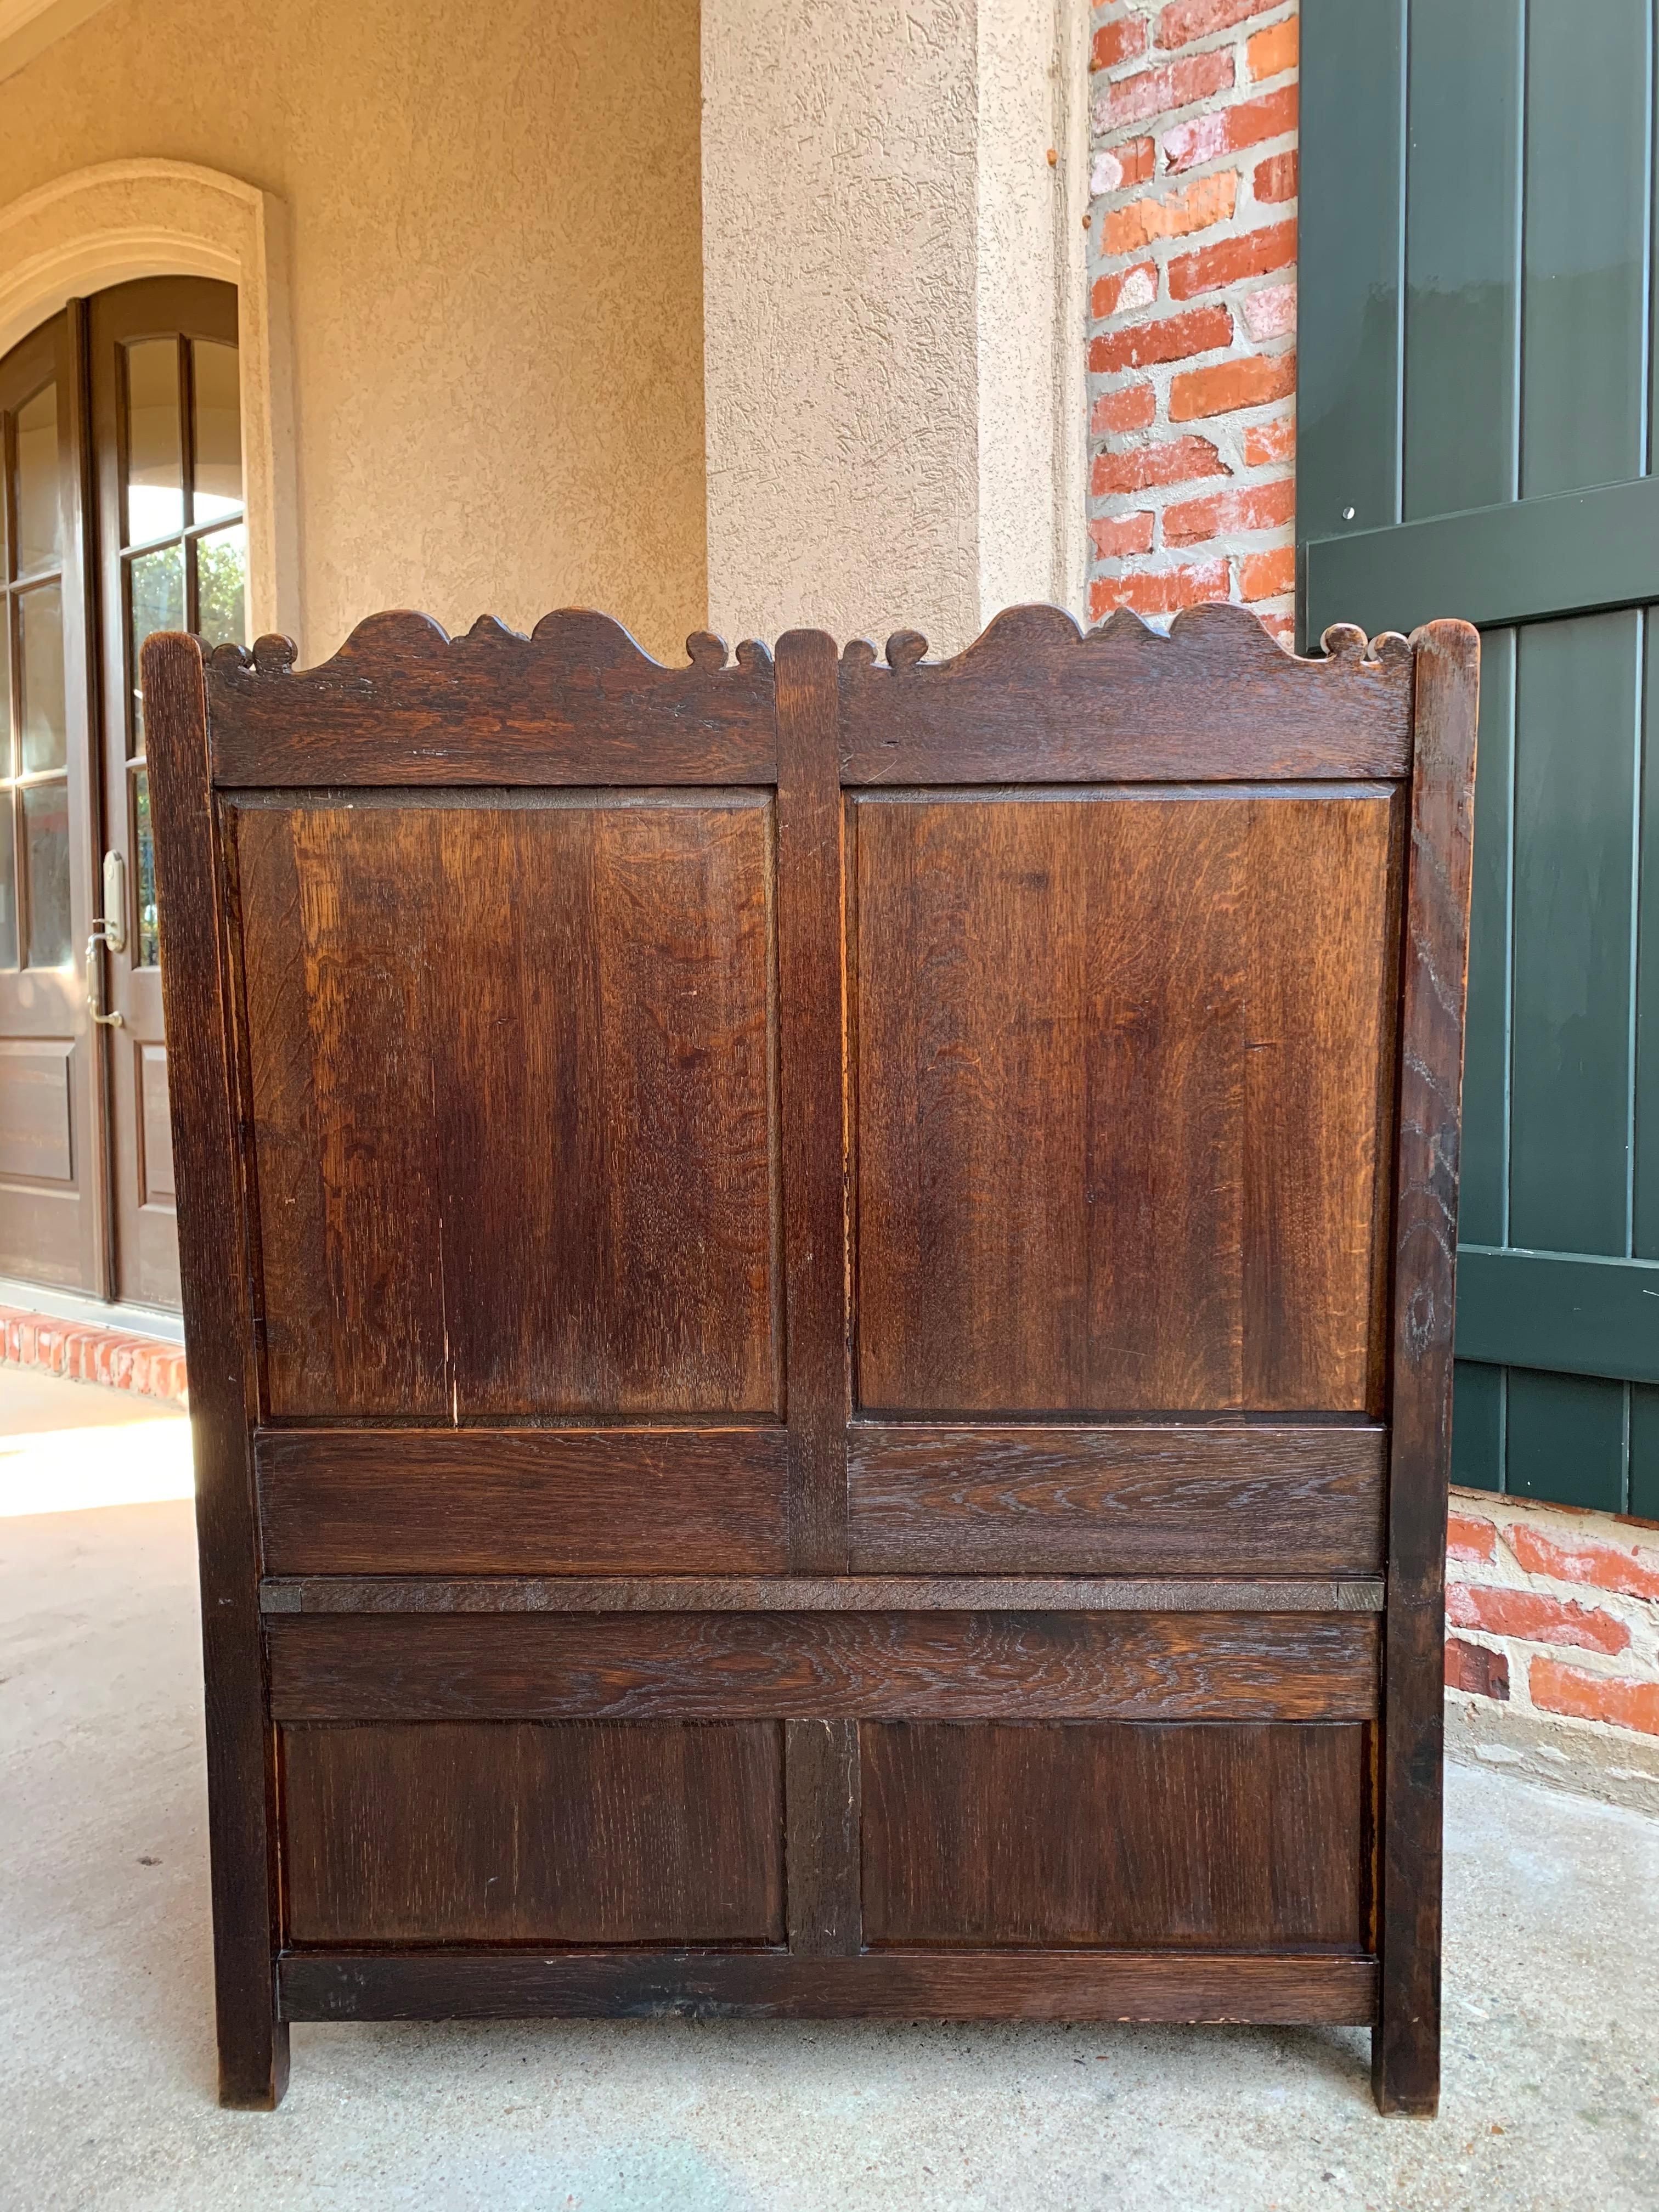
<point>51,1198</point>
<point>121,513</point>
<point>173,555</point>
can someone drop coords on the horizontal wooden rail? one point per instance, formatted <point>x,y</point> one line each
<point>1569,1313</point>
<point>1131,1498</point>
<point>1336,1989</point>
<point>1527,560</point>
<point>348,1594</point>
<point>939,1666</point>
<point>474,1501</point>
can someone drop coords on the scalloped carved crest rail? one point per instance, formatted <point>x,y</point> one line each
<point>1216,697</point>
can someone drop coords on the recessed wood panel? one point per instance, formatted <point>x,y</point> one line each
<point>924,1666</point>
<point>1098,1833</point>
<point>1140,1498</point>
<point>1121,1061</point>
<point>343,1501</point>
<point>156,1129</point>
<point>34,1109</point>
<point>590,1832</point>
<point>512,1075</point>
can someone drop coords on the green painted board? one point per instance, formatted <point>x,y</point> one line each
<point>1569,1311</point>
<point>1465,74</point>
<point>1576,688</point>
<point>1576,553</point>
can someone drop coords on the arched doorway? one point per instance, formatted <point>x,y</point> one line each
<point>123,512</point>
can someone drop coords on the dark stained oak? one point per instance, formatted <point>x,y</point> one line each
<point>1140,1498</point>
<point>514,1128</point>
<point>813,990</point>
<point>819,1305</point>
<point>823,1787</point>
<point>824,1665</point>
<point>577,701</point>
<point>216,1269</point>
<point>1124,1985</point>
<point>1122,1112</point>
<point>475,1501</point>
<point>1406,2044</point>
<point>1216,700</point>
<point>807,1594</point>
<point>1099,1833</point>
<point>642,1833</point>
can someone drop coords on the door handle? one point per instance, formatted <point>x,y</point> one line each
<point>111,930</point>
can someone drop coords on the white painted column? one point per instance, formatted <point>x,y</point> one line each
<point>893,312</point>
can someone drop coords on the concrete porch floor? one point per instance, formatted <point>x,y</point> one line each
<point>106,2064</point>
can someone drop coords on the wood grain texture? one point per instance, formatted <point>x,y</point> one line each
<point>1406,2046</point>
<point>712,1666</point>
<point>881,1985</point>
<point>807,1593</point>
<point>813,1053</point>
<point>513,1096</point>
<point>590,1832</point>
<point>576,703</point>
<point>822,1808</point>
<point>1217,699</point>
<point>213,1233</point>
<point>1141,1498</point>
<point>472,1501</point>
<point>1097,1833</point>
<point>1121,1108</point>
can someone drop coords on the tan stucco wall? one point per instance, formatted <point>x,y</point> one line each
<point>496,284</point>
<point>893,284</point>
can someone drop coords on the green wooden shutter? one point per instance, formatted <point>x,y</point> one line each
<point>1476,414</point>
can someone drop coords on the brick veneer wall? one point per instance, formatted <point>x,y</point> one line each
<point>1553,1616</point>
<point>1553,1612</point>
<point>1192,345</point>
<point>87,1352</point>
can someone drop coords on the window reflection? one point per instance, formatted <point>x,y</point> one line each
<point>155,478</point>
<point>156,589</point>
<point>217,407</point>
<point>45,829</point>
<point>149,927</point>
<point>40,685</point>
<point>8,884</point>
<point>222,587</point>
<point>35,484</point>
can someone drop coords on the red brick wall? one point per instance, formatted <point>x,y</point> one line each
<point>85,1353</point>
<point>1192,341</point>
<point>1553,1613</point>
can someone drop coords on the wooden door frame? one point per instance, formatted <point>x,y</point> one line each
<point>174,308</point>
<point>58,346</point>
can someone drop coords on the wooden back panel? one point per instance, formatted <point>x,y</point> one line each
<point>957,1156</point>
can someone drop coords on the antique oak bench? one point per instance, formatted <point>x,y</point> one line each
<point>819,1307</point>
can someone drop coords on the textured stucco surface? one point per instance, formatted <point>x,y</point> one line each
<point>893,312</point>
<point>840,246</point>
<point>1552,2089</point>
<point>496,278</point>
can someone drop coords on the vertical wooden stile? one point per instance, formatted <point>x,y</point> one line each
<point>1406,2042</point>
<point>813,994</point>
<point>821,1758</point>
<point>821,1807</point>
<point>212,1222</point>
